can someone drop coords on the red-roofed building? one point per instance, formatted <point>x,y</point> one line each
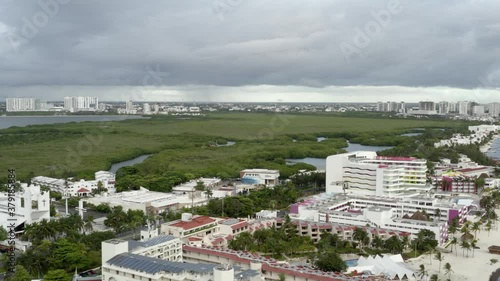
<point>233,226</point>
<point>83,192</point>
<point>188,226</point>
<point>271,268</point>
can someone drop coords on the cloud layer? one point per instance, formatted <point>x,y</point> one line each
<point>275,50</point>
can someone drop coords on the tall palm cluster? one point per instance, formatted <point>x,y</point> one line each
<point>70,226</point>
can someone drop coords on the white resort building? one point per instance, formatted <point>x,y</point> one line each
<point>260,176</point>
<point>161,258</point>
<point>363,172</point>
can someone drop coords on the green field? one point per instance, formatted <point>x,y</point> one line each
<point>183,144</point>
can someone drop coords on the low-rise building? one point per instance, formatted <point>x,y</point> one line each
<point>271,269</point>
<point>150,202</point>
<point>29,206</point>
<point>108,179</point>
<point>191,226</point>
<point>395,214</point>
<point>260,177</point>
<point>161,258</point>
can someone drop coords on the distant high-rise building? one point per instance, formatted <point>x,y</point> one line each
<point>129,106</point>
<point>478,110</point>
<point>494,109</point>
<point>444,107</point>
<point>427,106</point>
<point>20,104</point>
<point>156,108</point>
<point>402,107</point>
<point>463,107</point>
<point>75,104</point>
<point>146,108</point>
<point>393,106</point>
<point>453,107</point>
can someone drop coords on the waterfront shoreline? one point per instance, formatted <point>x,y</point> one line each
<point>485,148</point>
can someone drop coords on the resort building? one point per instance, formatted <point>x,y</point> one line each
<point>108,179</point>
<point>344,231</point>
<point>364,172</point>
<point>150,202</point>
<point>260,177</point>
<point>30,205</point>
<point>270,268</point>
<point>191,226</point>
<point>163,247</point>
<point>79,188</point>
<point>161,258</point>
<point>409,214</point>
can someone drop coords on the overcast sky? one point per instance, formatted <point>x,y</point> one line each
<point>251,50</point>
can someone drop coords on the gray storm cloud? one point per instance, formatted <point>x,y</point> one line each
<point>232,49</point>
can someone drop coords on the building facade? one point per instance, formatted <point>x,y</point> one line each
<point>76,104</point>
<point>260,176</point>
<point>364,172</point>
<point>20,104</point>
<point>30,205</point>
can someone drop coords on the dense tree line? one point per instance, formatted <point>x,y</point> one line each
<point>244,205</point>
<point>59,247</point>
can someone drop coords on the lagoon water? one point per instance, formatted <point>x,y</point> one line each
<point>357,147</point>
<point>494,151</point>
<point>130,162</point>
<point>320,163</point>
<point>22,121</point>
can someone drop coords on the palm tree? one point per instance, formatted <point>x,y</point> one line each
<point>30,231</point>
<point>394,245</point>
<point>453,226</point>
<point>422,272</point>
<point>488,227</point>
<point>476,227</point>
<point>431,251</point>
<point>454,242</point>
<point>437,214</point>
<point>448,270</point>
<point>360,235</point>
<point>440,258</point>
<point>88,226</point>
<point>473,245</point>
<point>465,245</point>
<point>377,242</point>
<point>45,230</point>
<point>208,192</point>
<point>406,241</point>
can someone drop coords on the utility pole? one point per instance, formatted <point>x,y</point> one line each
<point>222,207</point>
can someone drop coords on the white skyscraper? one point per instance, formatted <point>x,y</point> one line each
<point>444,107</point>
<point>463,107</point>
<point>452,107</point>
<point>494,109</point>
<point>402,107</point>
<point>478,110</point>
<point>146,108</point>
<point>75,104</point>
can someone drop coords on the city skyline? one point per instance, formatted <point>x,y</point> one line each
<point>207,51</point>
